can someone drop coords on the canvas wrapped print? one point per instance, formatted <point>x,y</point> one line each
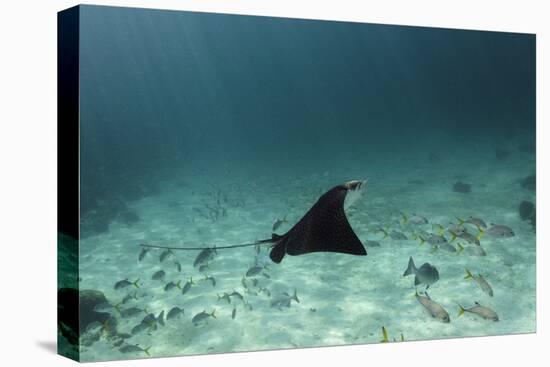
<point>240,183</point>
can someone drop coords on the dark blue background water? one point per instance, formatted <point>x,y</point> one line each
<point>164,91</point>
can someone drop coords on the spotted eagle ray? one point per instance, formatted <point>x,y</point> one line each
<point>324,228</point>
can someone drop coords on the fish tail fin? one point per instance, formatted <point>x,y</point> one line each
<point>295,296</point>
<point>145,311</point>
<point>136,283</point>
<point>422,240</point>
<point>405,219</point>
<point>468,274</point>
<point>178,284</point>
<point>460,248</point>
<point>460,221</point>
<point>117,306</point>
<point>213,314</point>
<point>383,231</point>
<point>105,324</point>
<point>402,337</point>
<point>439,227</point>
<point>146,350</point>
<point>460,310</point>
<point>480,233</point>
<point>191,280</point>
<point>453,236</point>
<point>135,295</point>
<point>278,252</point>
<point>384,335</point>
<point>410,268</point>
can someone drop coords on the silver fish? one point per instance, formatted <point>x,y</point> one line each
<point>202,316</point>
<point>187,286</point>
<point>457,229</point>
<point>159,275</point>
<point>142,326</point>
<point>284,300</point>
<point>93,326</point>
<point>124,335</point>
<point>175,312</point>
<point>149,320</point>
<point>468,237</point>
<point>446,247</point>
<point>255,270</point>
<point>225,296</point>
<point>144,251</point>
<point>104,307</point>
<point>118,343</point>
<point>160,318</point>
<point>484,312</point>
<point>129,348</point>
<point>204,256</point>
<point>129,297</point>
<point>433,308</point>
<point>165,254</point>
<point>396,235</point>
<point>418,219</point>
<point>132,311</point>
<point>478,222</point>
<point>369,243</point>
<point>237,294</point>
<point>499,231</point>
<point>475,250</point>
<point>427,274</point>
<point>172,285</point>
<point>211,279</point>
<point>480,280</point>
<point>125,283</point>
<point>434,240</point>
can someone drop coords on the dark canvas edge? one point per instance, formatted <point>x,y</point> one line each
<point>68,218</point>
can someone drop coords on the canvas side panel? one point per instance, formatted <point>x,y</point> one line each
<point>68,24</point>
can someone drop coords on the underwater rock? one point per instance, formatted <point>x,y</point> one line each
<point>75,312</point>
<point>526,210</point>
<point>529,183</point>
<point>462,187</point>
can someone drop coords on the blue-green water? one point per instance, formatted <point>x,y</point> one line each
<point>204,129</point>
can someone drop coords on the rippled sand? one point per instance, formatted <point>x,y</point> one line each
<point>343,299</point>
